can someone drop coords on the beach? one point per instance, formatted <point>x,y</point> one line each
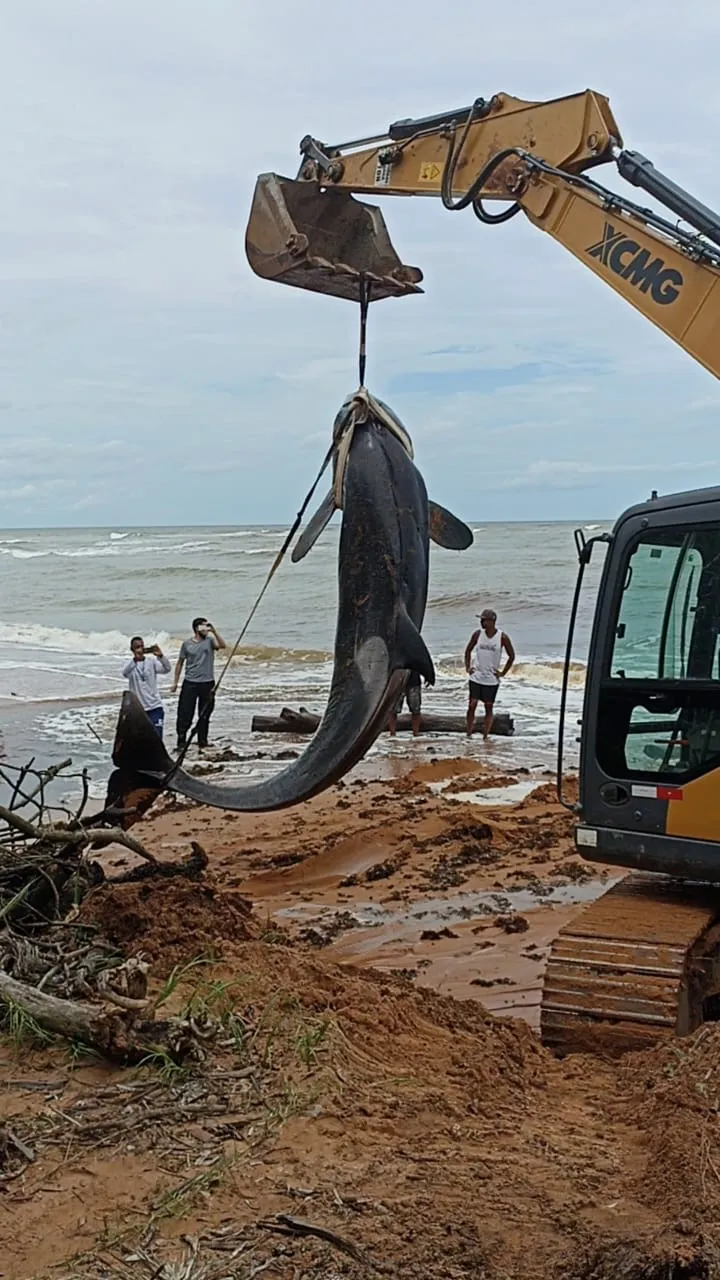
<point>378,1100</point>
<point>450,874</point>
<point>362,972</point>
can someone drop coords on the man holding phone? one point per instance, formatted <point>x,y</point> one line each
<point>141,674</point>
<point>198,656</point>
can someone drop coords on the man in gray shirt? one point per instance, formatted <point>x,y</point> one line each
<point>198,656</point>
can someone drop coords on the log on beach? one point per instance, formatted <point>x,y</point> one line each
<point>503,724</point>
<point>123,1028</point>
<point>306,722</point>
<point>302,721</point>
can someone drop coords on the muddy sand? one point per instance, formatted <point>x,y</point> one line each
<point>364,1111</point>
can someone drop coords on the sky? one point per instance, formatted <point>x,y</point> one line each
<point>148,377</point>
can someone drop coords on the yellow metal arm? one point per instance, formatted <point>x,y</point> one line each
<point>677,292</point>
<point>572,133</point>
<point>312,233</point>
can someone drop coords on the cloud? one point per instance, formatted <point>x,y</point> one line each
<point>453,381</point>
<point>566,474</point>
<point>147,372</point>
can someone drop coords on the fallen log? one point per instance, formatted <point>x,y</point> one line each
<point>303,716</point>
<point>114,1029</point>
<point>298,723</point>
<point>305,722</point>
<point>503,724</point>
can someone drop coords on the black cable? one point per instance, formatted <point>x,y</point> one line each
<point>364,306</point>
<point>692,244</point>
<point>492,218</point>
<point>472,195</point>
<point>273,569</point>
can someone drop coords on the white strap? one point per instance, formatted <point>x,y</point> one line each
<point>363,406</point>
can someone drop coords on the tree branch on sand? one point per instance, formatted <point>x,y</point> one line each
<point>46,868</point>
<point>45,826</point>
<point>114,1027</point>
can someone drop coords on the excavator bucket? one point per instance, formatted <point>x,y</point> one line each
<point>323,240</point>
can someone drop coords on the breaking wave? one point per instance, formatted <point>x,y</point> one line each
<point>62,640</point>
<point>549,674</point>
<point>115,643</point>
<point>270,653</point>
<point>544,675</point>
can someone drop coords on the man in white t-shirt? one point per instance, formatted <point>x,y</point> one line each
<point>141,674</point>
<point>483,657</point>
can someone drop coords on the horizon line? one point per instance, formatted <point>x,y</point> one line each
<point>267,524</point>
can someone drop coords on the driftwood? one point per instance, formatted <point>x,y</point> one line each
<point>62,834</point>
<point>306,722</point>
<point>191,868</point>
<point>114,1028</point>
<point>288,721</point>
<point>503,724</point>
<point>46,868</point>
<point>46,849</point>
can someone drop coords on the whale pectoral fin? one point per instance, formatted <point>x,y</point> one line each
<point>314,528</point>
<point>446,530</point>
<point>411,651</point>
<point>137,748</point>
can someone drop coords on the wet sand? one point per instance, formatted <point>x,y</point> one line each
<point>347,1089</point>
<point>447,873</point>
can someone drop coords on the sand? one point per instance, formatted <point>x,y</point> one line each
<point>358,950</point>
<point>407,878</point>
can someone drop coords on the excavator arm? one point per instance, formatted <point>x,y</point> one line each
<point>312,233</point>
<point>643,961</point>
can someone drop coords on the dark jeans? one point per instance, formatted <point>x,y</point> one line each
<point>194,694</point>
<point>157,717</point>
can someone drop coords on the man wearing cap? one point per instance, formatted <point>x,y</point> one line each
<point>483,656</point>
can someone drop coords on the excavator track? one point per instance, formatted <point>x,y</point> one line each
<point>638,965</point>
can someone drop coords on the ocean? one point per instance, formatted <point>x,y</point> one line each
<point>71,599</point>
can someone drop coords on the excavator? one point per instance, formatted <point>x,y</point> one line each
<point>641,962</point>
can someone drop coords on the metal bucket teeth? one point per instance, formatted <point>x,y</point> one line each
<point>325,241</point>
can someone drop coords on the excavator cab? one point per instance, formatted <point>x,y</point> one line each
<point>643,960</point>
<point>323,240</point>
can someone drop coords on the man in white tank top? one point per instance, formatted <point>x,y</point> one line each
<point>483,657</point>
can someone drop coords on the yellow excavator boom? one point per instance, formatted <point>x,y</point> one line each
<point>312,233</point>
<point>643,961</point>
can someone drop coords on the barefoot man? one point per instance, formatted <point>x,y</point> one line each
<point>483,656</point>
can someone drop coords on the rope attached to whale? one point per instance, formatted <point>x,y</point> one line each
<point>364,406</point>
<point>271,573</point>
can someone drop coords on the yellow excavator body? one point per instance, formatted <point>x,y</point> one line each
<point>644,960</point>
